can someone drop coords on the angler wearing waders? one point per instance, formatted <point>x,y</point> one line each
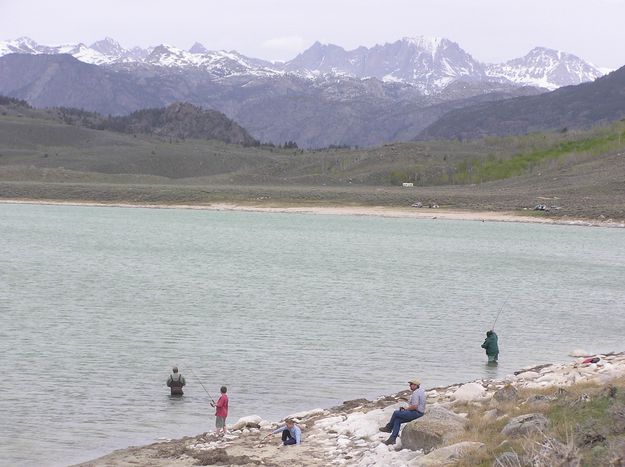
<point>175,382</point>
<point>491,347</point>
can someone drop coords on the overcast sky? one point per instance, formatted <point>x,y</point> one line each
<point>490,30</point>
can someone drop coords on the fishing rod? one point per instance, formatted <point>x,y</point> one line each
<point>200,381</point>
<point>500,310</point>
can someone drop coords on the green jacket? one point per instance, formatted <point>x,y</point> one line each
<point>490,344</point>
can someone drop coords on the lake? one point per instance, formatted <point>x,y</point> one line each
<point>290,311</point>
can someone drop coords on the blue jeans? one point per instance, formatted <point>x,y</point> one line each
<point>493,358</point>
<point>402,416</point>
<point>287,439</point>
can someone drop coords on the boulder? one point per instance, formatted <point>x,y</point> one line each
<point>506,394</point>
<point>253,421</point>
<point>489,415</point>
<point>352,404</point>
<point>449,455</point>
<point>469,392</point>
<point>525,424</point>
<point>434,429</point>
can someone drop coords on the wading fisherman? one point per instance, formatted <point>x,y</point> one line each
<point>491,346</point>
<point>415,409</point>
<point>175,382</point>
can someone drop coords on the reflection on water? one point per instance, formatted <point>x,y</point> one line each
<point>290,311</point>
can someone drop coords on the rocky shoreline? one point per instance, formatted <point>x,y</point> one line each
<point>499,421</point>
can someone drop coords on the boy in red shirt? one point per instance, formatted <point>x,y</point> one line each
<point>221,411</point>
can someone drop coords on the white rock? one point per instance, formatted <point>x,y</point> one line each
<point>343,441</point>
<point>242,422</point>
<point>328,422</point>
<point>308,413</point>
<point>469,392</point>
<point>362,425</point>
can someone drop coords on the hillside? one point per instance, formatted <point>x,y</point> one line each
<point>178,120</point>
<point>579,173</point>
<point>580,106</point>
<point>181,120</point>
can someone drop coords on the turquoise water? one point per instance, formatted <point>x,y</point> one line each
<point>290,311</point>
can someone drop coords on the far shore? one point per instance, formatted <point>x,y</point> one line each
<point>351,210</point>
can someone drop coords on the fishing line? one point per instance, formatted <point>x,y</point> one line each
<point>500,310</point>
<point>200,381</point>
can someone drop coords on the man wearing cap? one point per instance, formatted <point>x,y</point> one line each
<point>415,410</point>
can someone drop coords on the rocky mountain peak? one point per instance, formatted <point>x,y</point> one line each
<point>164,54</point>
<point>198,48</point>
<point>546,68</point>
<point>22,45</point>
<point>27,41</point>
<point>428,43</point>
<point>108,46</point>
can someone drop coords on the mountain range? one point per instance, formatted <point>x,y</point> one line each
<point>429,63</point>
<point>324,96</point>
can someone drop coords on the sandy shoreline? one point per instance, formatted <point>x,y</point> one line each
<point>377,211</point>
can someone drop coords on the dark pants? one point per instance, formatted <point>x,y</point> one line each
<point>287,438</point>
<point>402,416</point>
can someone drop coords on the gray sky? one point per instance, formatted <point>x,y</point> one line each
<point>490,30</point>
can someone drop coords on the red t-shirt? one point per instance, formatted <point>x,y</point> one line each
<point>221,407</point>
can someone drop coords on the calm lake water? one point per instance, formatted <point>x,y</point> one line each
<point>290,311</point>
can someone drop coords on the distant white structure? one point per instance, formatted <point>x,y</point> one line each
<point>407,184</point>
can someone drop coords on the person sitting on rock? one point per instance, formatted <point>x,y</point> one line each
<point>491,347</point>
<point>175,382</point>
<point>291,432</point>
<point>415,409</point>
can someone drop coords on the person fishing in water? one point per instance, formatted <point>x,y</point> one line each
<point>175,382</point>
<point>491,346</point>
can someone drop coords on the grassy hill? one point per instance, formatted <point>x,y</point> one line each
<point>582,173</point>
<point>581,106</point>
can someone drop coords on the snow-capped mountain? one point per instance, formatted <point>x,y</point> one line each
<point>109,52</point>
<point>110,48</point>
<point>98,55</point>
<point>22,45</point>
<point>427,63</point>
<point>217,63</point>
<point>545,68</point>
